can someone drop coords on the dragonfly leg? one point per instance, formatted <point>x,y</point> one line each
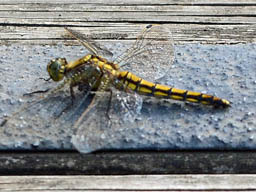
<point>48,79</point>
<point>72,94</point>
<point>3,122</point>
<point>109,104</point>
<point>36,92</point>
<point>73,97</point>
<point>91,105</point>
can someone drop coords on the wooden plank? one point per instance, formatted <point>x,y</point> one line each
<point>168,9</point>
<point>57,19</point>
<point>57,14</point>
<point>129,183</point>
<point>42,22</point>
<point>181,33</point>
<point>181,2</point>
<point>119,163</point>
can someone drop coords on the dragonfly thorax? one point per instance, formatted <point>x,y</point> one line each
<point>56,68</point>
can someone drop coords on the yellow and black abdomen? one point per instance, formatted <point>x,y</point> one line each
<point>144,87</point>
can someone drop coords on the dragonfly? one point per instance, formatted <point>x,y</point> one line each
<point>116,102</point>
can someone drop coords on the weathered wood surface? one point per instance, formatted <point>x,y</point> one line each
<point>41,22</point>
<point>129,183</point>
<point>120,163</point>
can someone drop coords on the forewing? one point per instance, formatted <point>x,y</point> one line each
<point>152,54</point>
<point>103,118</point>
<point>36,120</point>
<point>47,117</point>
<point>92,46</point>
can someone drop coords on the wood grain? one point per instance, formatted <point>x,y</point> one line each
<point>181,33</point>
<point>42,22</point>
<point>128,183</point>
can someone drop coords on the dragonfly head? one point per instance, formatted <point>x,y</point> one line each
<point>56,68</point>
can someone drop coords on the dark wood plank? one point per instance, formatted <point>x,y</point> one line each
<point>115,163</point>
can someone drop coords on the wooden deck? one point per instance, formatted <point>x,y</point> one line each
<point>129,183</point>
<point>209,21</point>
<point>41,22</point>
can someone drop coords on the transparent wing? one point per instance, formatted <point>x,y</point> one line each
<point>92,46</point>
<point>151,55</point>
<point>46,117</point>
<point>102,118</point>
<point>35,118</point>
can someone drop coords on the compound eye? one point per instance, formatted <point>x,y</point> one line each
<point>56,68</point>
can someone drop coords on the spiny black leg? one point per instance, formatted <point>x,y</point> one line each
<point>45,79</point>
<point>72,94</point>
<point>3,122</point>
<point>109,104</point>
<point>39,91</point>
<point>35,92</point>
<point>69,105</point>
